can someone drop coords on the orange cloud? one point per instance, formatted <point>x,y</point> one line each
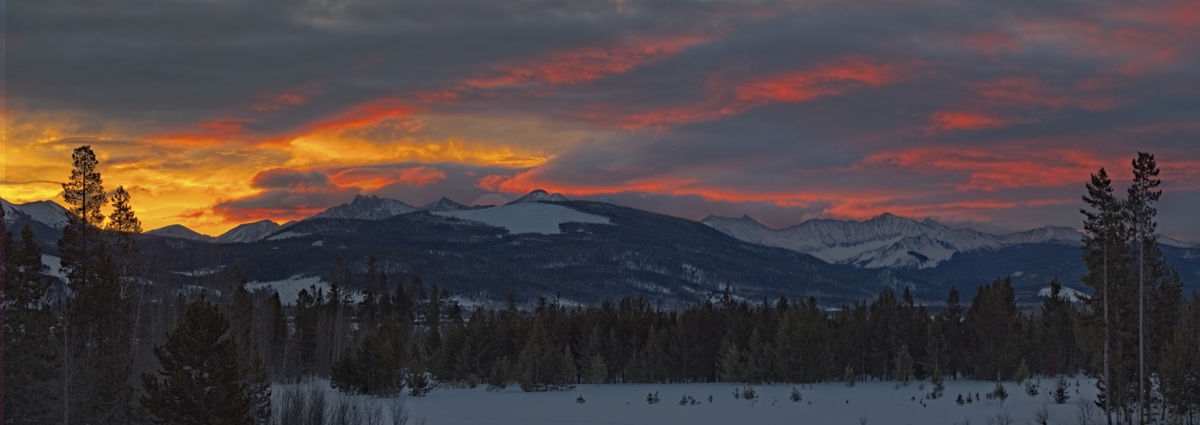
<point>585,65</point>
<point>946,121</point>
<point>365,114</point>
<point>374,178</point>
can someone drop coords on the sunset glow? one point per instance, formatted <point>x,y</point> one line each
<point>786,112</point>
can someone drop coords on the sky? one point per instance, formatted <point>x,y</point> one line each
<point>988,115</point>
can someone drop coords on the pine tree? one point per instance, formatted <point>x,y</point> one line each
<point>30,362</point>
<point>1181,368</point>
<point>567,372</point>
<point>1140,206</point>
<point>1022,372</point>
<point>203,382</point>
<point>95,339</point>
<point>597,371</point>
<point>730,363</point>
<point>848,377</point>
<point>84,192</point>
<point>1103,251</point>
<point>538,365</point>
<point>904,367</point>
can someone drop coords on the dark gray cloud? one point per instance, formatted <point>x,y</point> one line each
<point>781,110</point>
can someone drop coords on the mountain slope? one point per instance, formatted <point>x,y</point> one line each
<point>539,195</point>
<point>248,232</point>
<point>178,231</point>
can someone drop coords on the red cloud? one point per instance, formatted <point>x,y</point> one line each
<point>827,79</point>
<point>586,64</point>
<point>491,183</point>
<point>289,99</point>
<point>1029,91</point>
<point>945,121</point>
<point>999,167</point>
<point>824,80</point>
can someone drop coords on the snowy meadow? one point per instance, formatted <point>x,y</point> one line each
<point>872,402</point>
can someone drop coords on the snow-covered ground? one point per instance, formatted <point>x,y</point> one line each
<point>833,403</point>
<point>289,289</point>
<point>53,266</point>
<point>526,217</point>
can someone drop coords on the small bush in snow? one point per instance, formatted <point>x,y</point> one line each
<point>1060,391</point>
<point>687,400</point>
<point>939,385</point>
<point>1033,388</point>
<point>796,397</point>
<point>999,393</point>
<point>652,398</point>
<point>960,400</point>
<point>749,393</point>
<point>580,399</point>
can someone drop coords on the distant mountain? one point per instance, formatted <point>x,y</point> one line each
<point>178,231</point>
<point>248,232</point>
<point>443,204</point>
<point>47,213</point>
<point>367,208</point>
<point>883,241</point>
<point>539,195</point>
<point>585,251</point>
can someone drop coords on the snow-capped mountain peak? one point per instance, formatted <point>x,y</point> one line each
<point>48,213</point>
<point>443,204</point>
<point>539,195</point>
<point>367,208</point>
<point>180,232</point>
<point>886,240</point>
<point>248,232</point>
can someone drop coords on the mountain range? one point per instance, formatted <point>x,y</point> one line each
<point>544,244</point>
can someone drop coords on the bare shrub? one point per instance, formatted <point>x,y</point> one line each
<point>1042,415</point>
<point>1086,412</point>
<point>400,415</point>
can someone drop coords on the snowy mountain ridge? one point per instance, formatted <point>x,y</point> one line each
<point>539,195</point>
<point>249,232</point>
<point>367,208</point>
<point>443,204</point>
<point>179,231</point>
<point>48,213</point>
<point>883,241</point>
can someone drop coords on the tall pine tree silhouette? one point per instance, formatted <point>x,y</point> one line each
<point>203,381</point>
<point>95,338</point>
<point>1140,206</point>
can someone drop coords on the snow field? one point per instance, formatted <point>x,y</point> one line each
<point>831,403</point>
<point>526,217</point>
